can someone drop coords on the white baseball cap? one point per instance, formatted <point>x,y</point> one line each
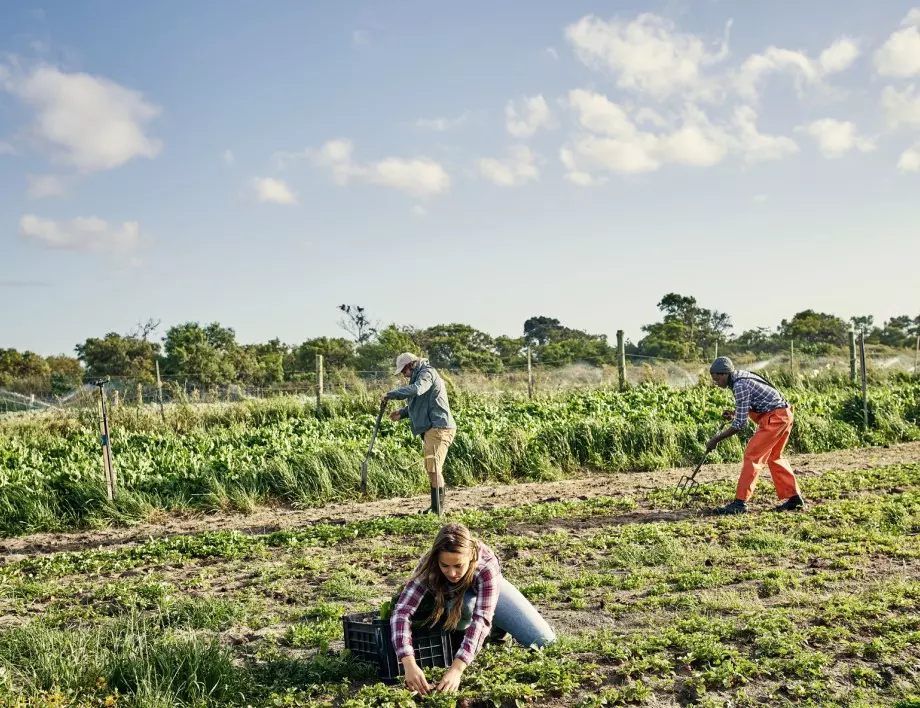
<point>403,359</point>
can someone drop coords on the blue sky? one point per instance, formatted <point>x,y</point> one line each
<point>259,164</point>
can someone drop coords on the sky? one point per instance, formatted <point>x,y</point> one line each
<point>258,164</point>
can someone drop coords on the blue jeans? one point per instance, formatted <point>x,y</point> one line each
<point>514,614</point>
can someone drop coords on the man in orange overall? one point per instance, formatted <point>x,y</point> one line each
<point>767,407</point>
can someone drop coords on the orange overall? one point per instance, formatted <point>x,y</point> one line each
<point>767,445</point>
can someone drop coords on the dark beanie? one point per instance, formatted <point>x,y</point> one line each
<point>722,365</point>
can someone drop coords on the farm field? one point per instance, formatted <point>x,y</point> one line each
<point>655,605</point>
<point>242,457</point>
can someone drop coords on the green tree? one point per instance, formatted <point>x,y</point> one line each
<point>118,356</point>
<point>23,367</point>
<point>208,355</point>
<point>539,331</point>
<point>66,374</point>
<point>511,351</point>
<point>668,340</point>
<point>380,353</point>
<point>687,331</point>
<point>897,332</point>
<point>338,353</point>
<point>863,324</point>
<point>589,350</point>
<point>262,364</point>
<point>459,347</point>
<point>557,345</point>
<point>815,331</point>
<point>757,340</point>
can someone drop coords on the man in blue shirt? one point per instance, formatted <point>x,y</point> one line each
<point>429,414</point>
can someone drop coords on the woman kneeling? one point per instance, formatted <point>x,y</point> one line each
<point>460,566</point>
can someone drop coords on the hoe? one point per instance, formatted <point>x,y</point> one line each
<point>687,487</point>
<point>383,406</point>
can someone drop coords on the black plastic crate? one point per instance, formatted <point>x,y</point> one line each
<point>368,638</point>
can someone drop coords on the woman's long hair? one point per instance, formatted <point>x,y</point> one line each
<point>452,538</point>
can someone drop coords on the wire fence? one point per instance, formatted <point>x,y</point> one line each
<point>521,379</point>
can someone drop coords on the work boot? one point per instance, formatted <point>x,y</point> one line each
<point>739,506</point>
<point>795,503</point>
<point>441,492</point>
<point>437,502</point>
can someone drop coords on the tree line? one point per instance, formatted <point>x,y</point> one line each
<point>210,354</point>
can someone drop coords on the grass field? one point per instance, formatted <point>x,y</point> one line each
<point>654,605</point>
<point>237,457</point>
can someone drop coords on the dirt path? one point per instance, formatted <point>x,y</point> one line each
<point>265,520</point>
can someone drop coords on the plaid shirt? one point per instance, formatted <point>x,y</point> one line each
<point>752,394</point>
<point>486,581</point>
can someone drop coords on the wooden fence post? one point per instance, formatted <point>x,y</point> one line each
<point>852,338</point>
<point>319,384</point>
<point>862,356</point>
<point>160,393</point>
<point>529,374</point>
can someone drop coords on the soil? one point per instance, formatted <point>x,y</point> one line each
<point>268,519</point>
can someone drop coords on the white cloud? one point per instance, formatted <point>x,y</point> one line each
<point>418,177</point>
<point>7,148</point>
<point>901,107</point>
<point>573,174</point>
<point>616,155</point>
<point>900,55</point>
<point>534,114</point>
<point>360,38</point>
<point>442,125</point>
<point>89,122</point>
<point>520,166</point>
<point>419,211</point>
<point>616,143</point>
<point>756,146</point>
<point>89,234</point>
<point>600,115</point>
<point>697,143</point>
<point>647,55</point>
<point>649,115</point>
<point>272,191</point>
<point>552,53</point>
<point>229,158</point>
<point>837,138</point>
<point>41,186</point>
<point>838,57</point>
<point>760,198</point>
<point>910,160</point>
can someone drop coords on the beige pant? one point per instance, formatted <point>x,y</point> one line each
<point>437,440</point>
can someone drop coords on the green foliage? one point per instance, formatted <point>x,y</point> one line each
<point>233,456</point>
<point>816,331</point>
<point>115,355</point>
<point>687,330</point>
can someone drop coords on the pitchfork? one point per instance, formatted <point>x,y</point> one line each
<point>687,486</point>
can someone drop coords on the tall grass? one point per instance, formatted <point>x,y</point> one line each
<point>138,658</point>
<point>282,450</point>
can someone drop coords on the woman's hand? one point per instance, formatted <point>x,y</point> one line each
<point>450,682</point>
<point>395,416</point>
<point>415,678</point>
<point>728,415</point>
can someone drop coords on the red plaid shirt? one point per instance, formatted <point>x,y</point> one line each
<point>486,581</point>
